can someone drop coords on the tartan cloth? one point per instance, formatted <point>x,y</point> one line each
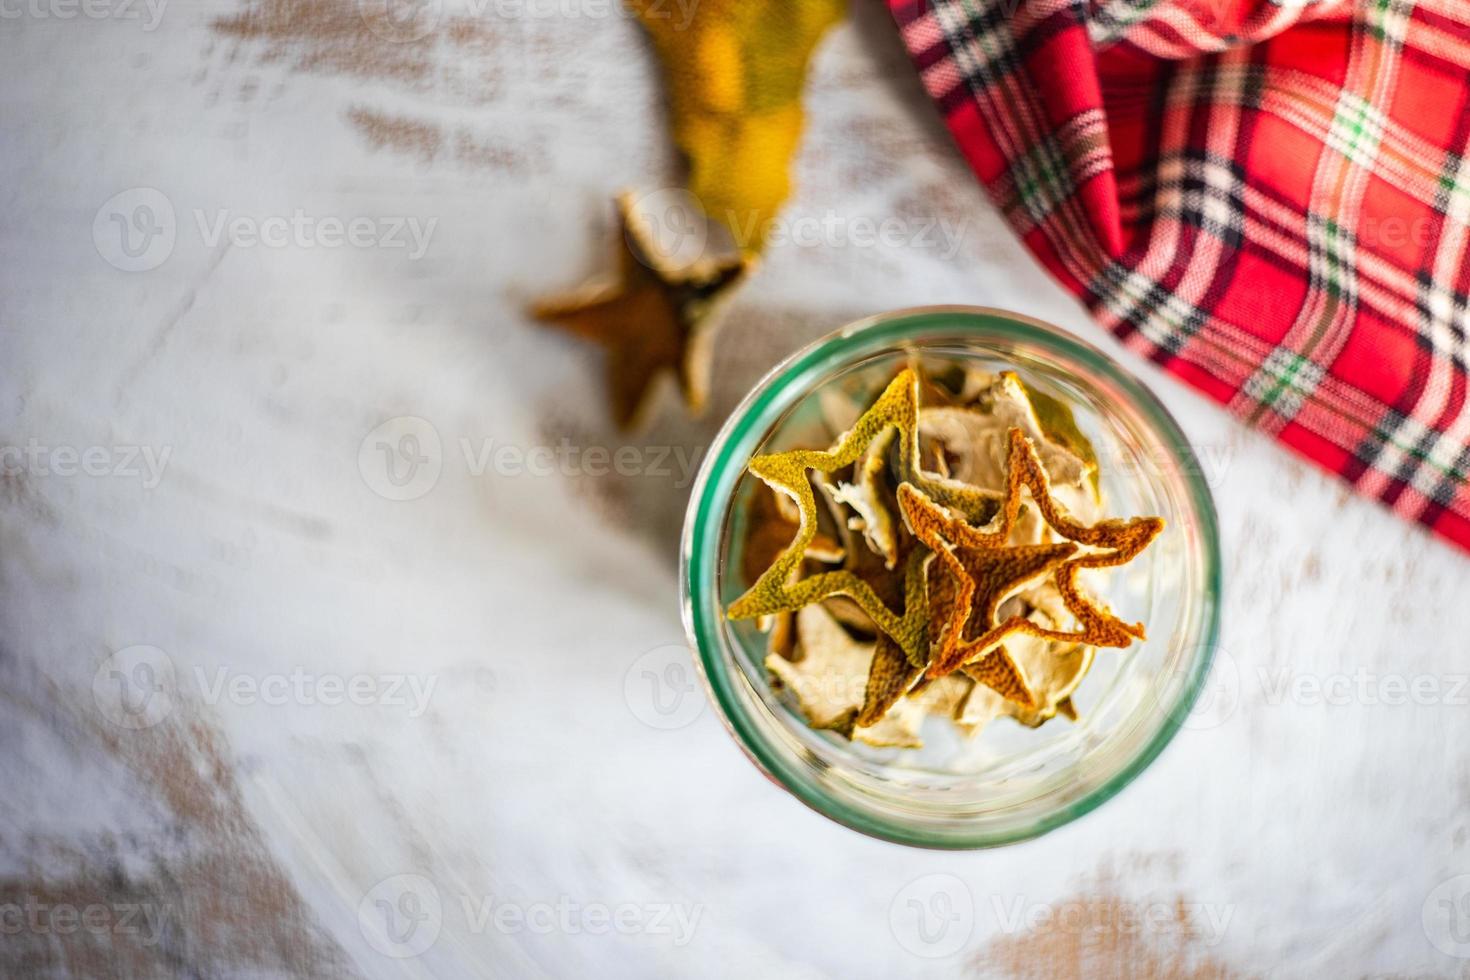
<point>1268,199</point>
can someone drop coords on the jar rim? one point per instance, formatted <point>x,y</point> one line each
<point>724,465</point>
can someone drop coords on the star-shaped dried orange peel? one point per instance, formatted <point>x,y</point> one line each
<point>1050,675</point>
<point>967,586</point>
<point>786,472</point>
<point>970,581</point>
<point>653,319</point>
<point>891,675</point>
<point>769,530</point>
<point>1116,542</point>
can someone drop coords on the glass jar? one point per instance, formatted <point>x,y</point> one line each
<point>1010,782</point>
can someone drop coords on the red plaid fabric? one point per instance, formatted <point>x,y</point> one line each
<point>1269,199</point>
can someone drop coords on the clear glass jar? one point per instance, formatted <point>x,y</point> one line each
<point>1009,783</point>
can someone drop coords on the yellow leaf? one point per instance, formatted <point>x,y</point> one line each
<point>734,71</point>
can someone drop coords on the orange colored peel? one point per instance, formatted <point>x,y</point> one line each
<point>652,320</point>
<point>890,676</point>
<point>936,561</point>
<point>1119,542</point>
<point>997,670</point>
<point>971,582</point>
<point>896,408</point>
<point>768,531</point>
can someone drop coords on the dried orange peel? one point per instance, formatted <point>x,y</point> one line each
<point>973,579</point>
<point>827,680</point>
<point>865,496</point>
<point>653,319</point>
<point>943,577</point>
<point>897,408</point>
<point>891,675</point>
<point>1118,543</point>
<point>733,74</point>
<point>769,530</point>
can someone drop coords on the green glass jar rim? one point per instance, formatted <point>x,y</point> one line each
<point>721,472</point>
